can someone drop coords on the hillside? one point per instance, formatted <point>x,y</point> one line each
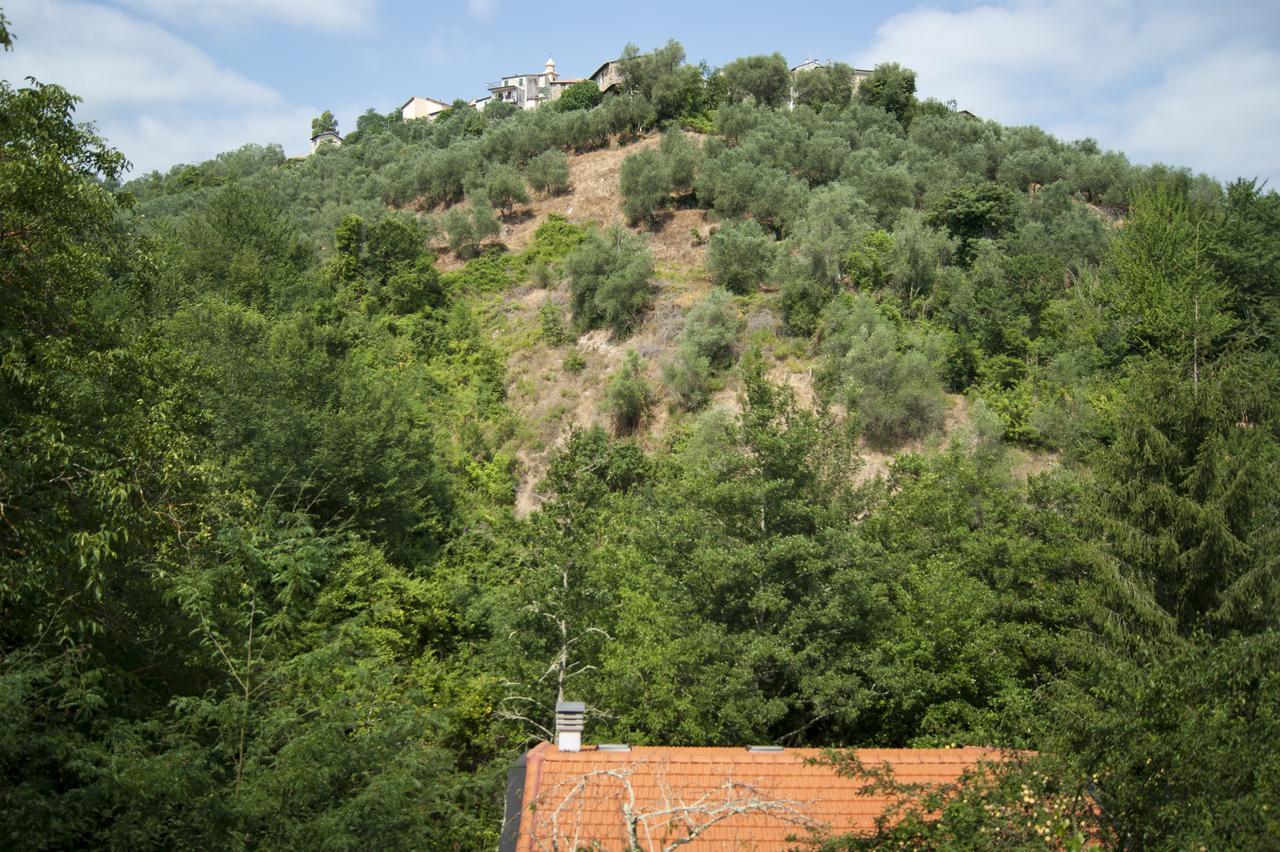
<point>743,406</point>
<point>551,401</point>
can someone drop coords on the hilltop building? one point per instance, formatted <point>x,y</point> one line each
<point>417,107</point>
<point>528,91</point>
<point>325,137</point>
<point>608,77</point>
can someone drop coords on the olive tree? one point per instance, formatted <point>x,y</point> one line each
<point>832,84</point>
<point>504,188</point>
<point>739,256</point>
<point>645,184</point>
<point>548,173</point>
<point>609,280</point>
<point>764,79</point>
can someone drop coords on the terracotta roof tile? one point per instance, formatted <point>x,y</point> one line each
<point>733,798</point>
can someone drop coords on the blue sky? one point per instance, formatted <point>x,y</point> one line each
<point>168,81</point>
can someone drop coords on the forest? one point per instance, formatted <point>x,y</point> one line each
<point>263,578</point>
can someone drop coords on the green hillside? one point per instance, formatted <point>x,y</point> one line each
<point>853,421</point>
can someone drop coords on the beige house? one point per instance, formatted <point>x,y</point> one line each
<point>417,107</point>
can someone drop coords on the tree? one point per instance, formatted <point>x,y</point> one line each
<point>893,388</point>
<point>645,184</point>
<point>829,85</point>
<point>705,345</point>
<point>467,227</point>
<point>917,255</point>
<point>548,173</point>
<point>892,88</point>
<point>504,188</point>
<point>764,79</point>
<point>627,396</point>
<point>1187,490</point>
<point>661,78</point>
<point>609,280</point>
<point>324,123</point>
<point>1245,251</point>
<point>681,156</point>
<point>834,214</point>
<point>976,211</point>
<point>739,256</point>
<point>584,94</point>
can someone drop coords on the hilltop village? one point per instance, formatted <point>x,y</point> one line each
<point>530,90</point>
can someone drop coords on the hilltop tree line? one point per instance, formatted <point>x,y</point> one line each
<point>261,578</point>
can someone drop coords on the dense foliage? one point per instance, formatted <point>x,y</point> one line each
<point>261,577</point>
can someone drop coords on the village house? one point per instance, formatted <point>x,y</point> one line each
<point>417,107</point>
<point>325,137</point>
<point>566,795</point>
<point>528,91</point>
<point>608,77</point>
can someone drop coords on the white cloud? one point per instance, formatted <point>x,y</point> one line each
<point>1220,113</point>
<point>1160,80</point>
<point>159,139</point>
<point>482,9</point>
<point>157,98</point>
<point>113,60</point>
<point>326,15</point>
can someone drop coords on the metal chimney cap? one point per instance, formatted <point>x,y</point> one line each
<point>571,707</point>
<point>765,748</point>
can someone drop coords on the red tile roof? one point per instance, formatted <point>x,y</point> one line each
<point>731,798</point>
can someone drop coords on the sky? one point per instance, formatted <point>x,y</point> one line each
<point>1184,82</point>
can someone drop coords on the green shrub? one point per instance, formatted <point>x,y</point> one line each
<point>627,397</point>
<point>553,330</point>
<point>739,256</point>
<point>573,361</point>
<point>548,173</point>
<point>584,94</point>
<point>610,276</point>
<point>712,327</point>
<point>553,240</point>
<point>706,344</point>
<point>688,377</point>
<point>540,274</point>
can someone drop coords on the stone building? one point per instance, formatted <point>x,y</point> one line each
<point>608,76</point>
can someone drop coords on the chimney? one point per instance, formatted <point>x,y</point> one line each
<point>569,721</point>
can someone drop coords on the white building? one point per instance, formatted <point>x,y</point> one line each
<point>530,90</point>
<point>325,137</point>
